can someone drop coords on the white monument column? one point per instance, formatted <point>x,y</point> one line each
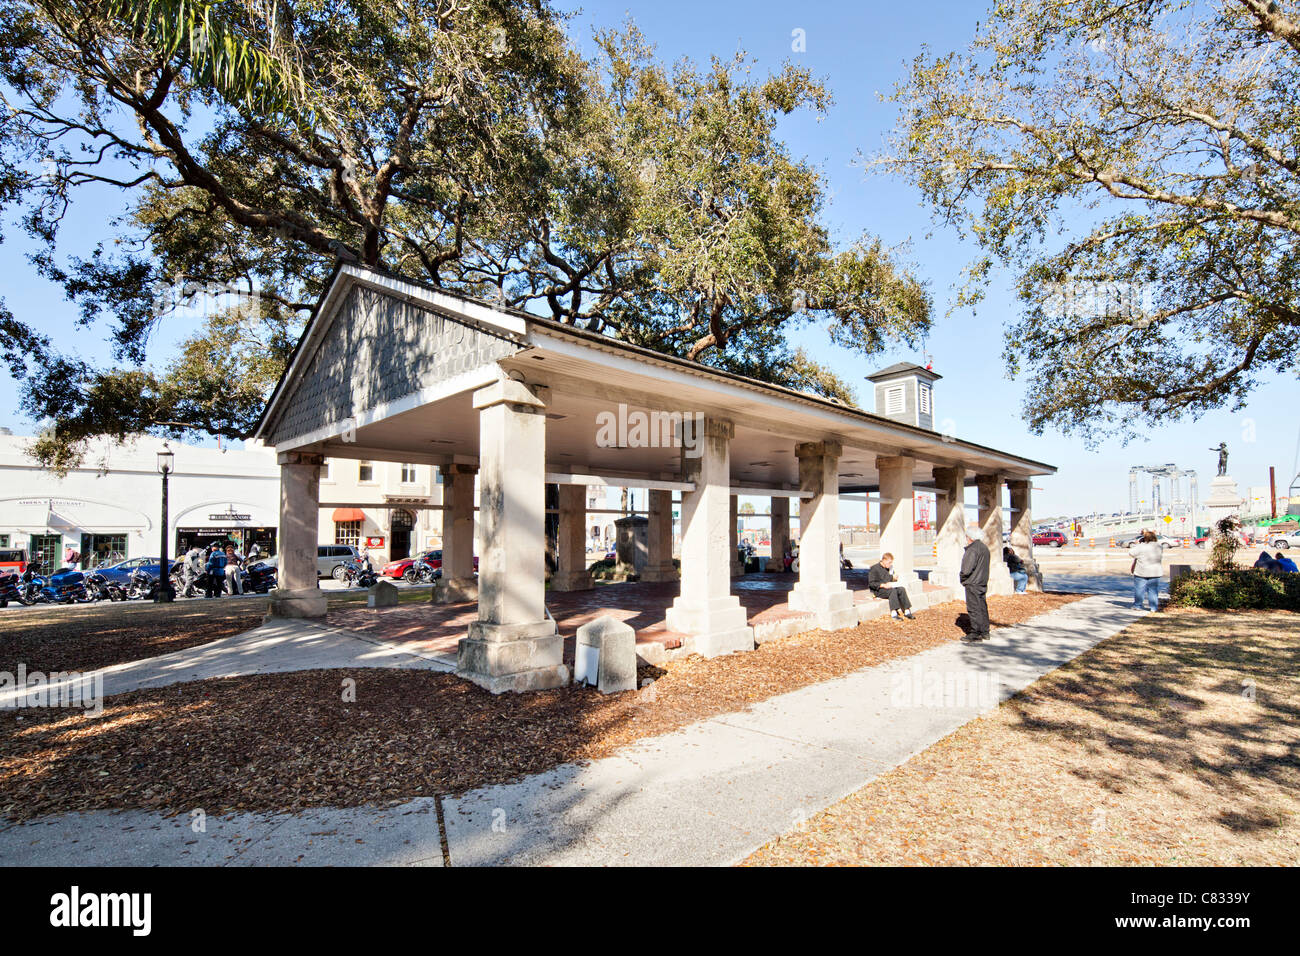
<point>705,608</point>
<point>990,518</point>
<point>296,593</point>
<point>457,583</point>
<point>897,535</point>
<point>572,573</point>
<point>820,589</point>
<point>780,533</point>
<point>737,569</point>
<point>659,538</point>
<point>513,646</point>
<point>1022,529</point>
<point>950,524</point>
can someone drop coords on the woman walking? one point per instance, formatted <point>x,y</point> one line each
<point>1147,569</point>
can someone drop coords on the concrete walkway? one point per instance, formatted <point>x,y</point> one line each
<point>710,793</point>
<point>275,647</point>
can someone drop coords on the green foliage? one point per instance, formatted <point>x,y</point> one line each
<point>1225,544</point>
<point>461,142</point>
<point>1237,589</point>
<point>1136,163</point>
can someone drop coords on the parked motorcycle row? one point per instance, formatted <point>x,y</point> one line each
<point>69,586</point>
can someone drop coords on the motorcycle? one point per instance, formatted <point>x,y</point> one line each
<point>32,588</point>
<point>358,574</point>
<point>101,589</point>
<point>11,588</point>
<point>261,578</point>
<point>66,586</point>
<point>141,584</point>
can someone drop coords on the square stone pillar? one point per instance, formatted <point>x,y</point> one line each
<point>572,573</point>
<point>296,593</point>
<point>950,525</point>
<point>990,519</point>
<point>780,533</point>
<point>457,583</point>
<point>896,520</point>
<point>659,538</point>
<point>705,608</point>
<point>820,589</point>
<point>1022,529</point>
<point>737,569</point>
<point>513,646</point>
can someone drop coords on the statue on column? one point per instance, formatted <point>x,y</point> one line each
<point>1223,458</point>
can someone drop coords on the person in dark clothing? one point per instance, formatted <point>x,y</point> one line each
<point>975,579</point>
<point>879,578</point>
<point>1265,562</point>
<point>216,568</point>
<point>1016,567</point>
<point>1284,563</point>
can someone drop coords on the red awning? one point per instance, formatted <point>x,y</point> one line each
<point>349,514</point>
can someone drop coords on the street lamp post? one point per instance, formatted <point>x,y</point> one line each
<point>164,593</point>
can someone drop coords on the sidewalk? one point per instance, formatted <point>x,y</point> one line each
<point>708,794</point>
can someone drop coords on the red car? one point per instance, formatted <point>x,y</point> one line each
<point>397,569</point>
<point>1055,539</point>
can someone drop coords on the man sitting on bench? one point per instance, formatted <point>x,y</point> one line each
<point>882,583</point>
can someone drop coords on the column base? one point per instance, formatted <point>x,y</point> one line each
<point>512,657</point>
<point>719,627</point>
<point>572,581</point>
<point>1000,578</point>
<point>654,574</point>
<point>301,602</point>
<point>833,607</point>
<point>455,591</point>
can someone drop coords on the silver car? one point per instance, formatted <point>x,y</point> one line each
<point>331,560</point>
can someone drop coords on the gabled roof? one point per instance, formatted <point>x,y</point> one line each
<point>904,368</point>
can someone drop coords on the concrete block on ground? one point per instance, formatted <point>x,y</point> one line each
<point>605,655</point>
<point>303,602</point>
<point>382,594</point>
<point>870,610</point>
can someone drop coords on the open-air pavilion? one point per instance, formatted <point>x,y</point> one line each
<point>393,370</point>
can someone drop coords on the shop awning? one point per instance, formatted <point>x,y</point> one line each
<point>349,514</point>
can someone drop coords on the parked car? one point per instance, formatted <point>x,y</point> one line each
<point>401,568</point>
<point>1284,540</point>
<point>1204,540</point>
<point>13,559</point>
<point>1162,539</point>
<point>120,573</point>
<point>1054,539</point>
<point>332,560</point>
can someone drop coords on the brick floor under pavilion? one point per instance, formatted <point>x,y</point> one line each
<point>431,630</point>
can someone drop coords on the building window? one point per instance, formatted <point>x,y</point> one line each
<point>923,398</point>
<point>894,400</point>
<point>408,474</point>
<point>365,471</point>
<point>347,532</point>
<point>325,472</point>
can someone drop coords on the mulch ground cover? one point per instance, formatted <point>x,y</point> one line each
<point>1176,742</point>
<point>81,638</point>
<point>290,741</point>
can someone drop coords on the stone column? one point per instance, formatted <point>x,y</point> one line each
<point>513,646</point>
<point>1022,529</point>
<point>659,538</point>
<point>896,534</point>
<point>780,533</point>
<point>737,569</point>
<point>990,518</point>
<point>457,583</point>
<point>296,593</point>
<point>571,541</point>
<point>705,608</point>
<point>820,589</point>
<point>950,525</point>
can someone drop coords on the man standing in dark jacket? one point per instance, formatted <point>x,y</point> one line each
<point>975,578</point>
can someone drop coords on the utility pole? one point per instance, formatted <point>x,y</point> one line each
<point>1272,493</point>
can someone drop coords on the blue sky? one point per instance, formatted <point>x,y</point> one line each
<point>860,50</point>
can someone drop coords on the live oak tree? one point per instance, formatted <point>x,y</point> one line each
<point>463,143</point>
<point>1136,165</point>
